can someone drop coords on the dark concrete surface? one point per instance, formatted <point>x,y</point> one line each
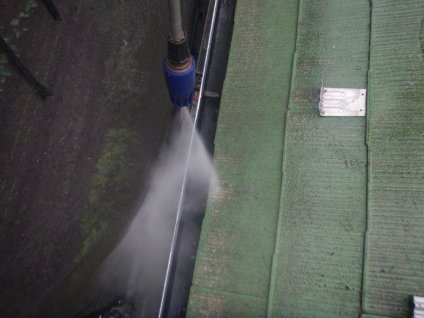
<point>74,167</point>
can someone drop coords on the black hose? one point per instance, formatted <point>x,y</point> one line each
<point>43,91</point>
<point>52,9</point>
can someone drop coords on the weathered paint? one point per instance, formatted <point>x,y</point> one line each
<point>346,197</point>
<point>235,254</point>
<point>395,238</point>
<point>319,248</point>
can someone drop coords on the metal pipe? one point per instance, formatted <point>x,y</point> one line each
<point>174,7</point>
<point>187,165</point>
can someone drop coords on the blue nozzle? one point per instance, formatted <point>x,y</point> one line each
<point>180,83</point>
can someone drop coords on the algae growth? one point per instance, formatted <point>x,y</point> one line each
<point>109,191</point>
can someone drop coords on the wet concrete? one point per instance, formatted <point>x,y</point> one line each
<point>75,166</point>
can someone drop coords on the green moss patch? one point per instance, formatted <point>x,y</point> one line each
<point>110,190</point>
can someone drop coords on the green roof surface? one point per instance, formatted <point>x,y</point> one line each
<point>317,217</point>
<point>394,264</point>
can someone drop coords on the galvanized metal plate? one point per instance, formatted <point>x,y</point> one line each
<point>418,307</point>
<point>342,102</point>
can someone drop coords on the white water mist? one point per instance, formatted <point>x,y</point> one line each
<point>137,265</point>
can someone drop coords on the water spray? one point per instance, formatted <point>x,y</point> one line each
<point>152,237</point>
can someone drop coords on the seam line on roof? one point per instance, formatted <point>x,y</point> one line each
<point>220,291</point>
<point>271,288</point>
<point>367,185</point>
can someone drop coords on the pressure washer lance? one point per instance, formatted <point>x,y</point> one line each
<point>177,36</point>
<point>179,66</point>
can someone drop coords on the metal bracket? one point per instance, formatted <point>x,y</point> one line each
<point>342,102</point>
<point>211,94</point>
<point>418,307</point>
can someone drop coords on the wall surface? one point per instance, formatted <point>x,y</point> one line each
<point>75,166</point>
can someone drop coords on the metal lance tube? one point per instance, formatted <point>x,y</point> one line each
<point>177,33</point>
<point>179,66</point>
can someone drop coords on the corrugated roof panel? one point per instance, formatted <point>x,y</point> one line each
<point>334,192</point>
<point>237,243</point>
<point>319,251</point>
<point>395,240</point>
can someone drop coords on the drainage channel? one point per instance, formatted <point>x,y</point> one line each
<point>212,64</point>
